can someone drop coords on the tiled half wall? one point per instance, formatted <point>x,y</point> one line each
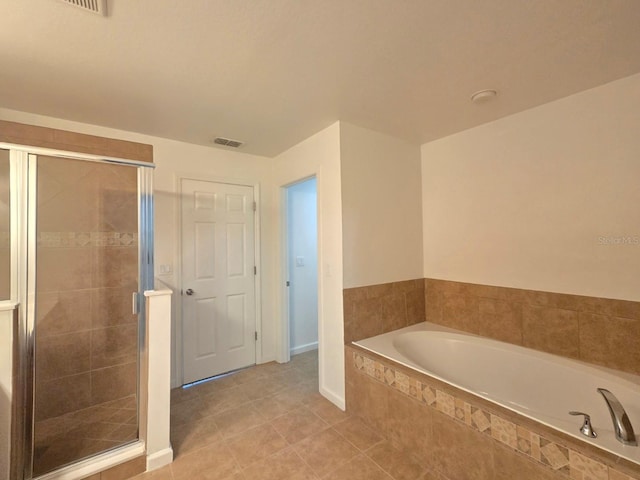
<point>376,309</point>
<point>596,330</point>
<point>457,435</point>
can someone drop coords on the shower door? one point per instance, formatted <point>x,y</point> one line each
<point>82,322</point>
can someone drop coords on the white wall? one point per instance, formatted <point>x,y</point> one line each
<point>172,159</point>
<point>302,241</point>
<point>318,155</point>
<point>381,208</point>
<point>532,200</point>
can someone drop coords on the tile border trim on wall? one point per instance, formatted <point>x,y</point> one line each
<point>552,454</point>
<point>87,239</point>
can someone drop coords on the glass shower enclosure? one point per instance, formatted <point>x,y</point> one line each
<point>87,248</point>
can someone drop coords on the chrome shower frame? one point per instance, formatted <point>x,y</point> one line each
<point>23,160</point>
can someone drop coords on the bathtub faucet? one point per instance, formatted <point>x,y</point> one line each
<point>621,422</point>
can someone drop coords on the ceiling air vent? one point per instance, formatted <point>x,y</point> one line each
<point>227,142</point>
<point>95,6</point>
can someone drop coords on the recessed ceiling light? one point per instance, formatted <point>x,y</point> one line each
<point>483,96</point>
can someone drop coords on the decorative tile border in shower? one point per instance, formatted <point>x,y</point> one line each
<point>87,239</point>
<point>554,455</point>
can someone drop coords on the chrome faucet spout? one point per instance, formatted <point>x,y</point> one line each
<point>621,423</point>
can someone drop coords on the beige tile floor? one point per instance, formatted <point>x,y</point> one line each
<point>270,423</point>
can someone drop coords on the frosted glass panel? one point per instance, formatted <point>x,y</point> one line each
<point>5,228</point>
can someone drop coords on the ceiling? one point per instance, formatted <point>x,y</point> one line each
<point>273,72</point>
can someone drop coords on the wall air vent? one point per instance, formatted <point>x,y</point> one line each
<point>95,6</point>
<point>227,142</point>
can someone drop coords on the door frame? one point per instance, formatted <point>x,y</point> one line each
<point>177,333</point>
<point>285,334</point>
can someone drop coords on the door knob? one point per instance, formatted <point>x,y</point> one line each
<point>189,291</point>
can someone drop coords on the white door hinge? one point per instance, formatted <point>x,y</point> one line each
<point>256,336</point>
<point>255,206</point>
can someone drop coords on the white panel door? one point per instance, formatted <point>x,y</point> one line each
<point>218,297</point>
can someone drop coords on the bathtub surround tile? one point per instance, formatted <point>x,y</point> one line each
<point>460,410</point>
<point>524,440</point>
<point>394,312</point>
<point>518,467</point>
<point>583,468</point>
<point>402,382</point>
<point>445,403</point>
<point>538,456</point>
<point>504,431</point>
<point>554,455</point>
<point>616,475</point>
<point>572,326</point>
<point>551,330</point>
<point>500,320</point>
<point>376,309</point>
<point>610,341</point>
<point>410,427</point>
<point>428,395</point>
<point>460,312</point>
<point>415,306</point>
<point>472,457</point>
<point>481,420</point>
<point>536,452</point>
<point>415,389</point>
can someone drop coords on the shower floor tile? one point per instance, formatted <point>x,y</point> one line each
<point>73,436</point>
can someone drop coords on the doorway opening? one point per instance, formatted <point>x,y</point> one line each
<point>301,220</point>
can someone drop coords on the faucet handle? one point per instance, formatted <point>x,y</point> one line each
<point>586,428</point>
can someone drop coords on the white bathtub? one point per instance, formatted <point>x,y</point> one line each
<point>537,385</point>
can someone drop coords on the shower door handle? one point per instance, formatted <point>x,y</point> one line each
<point>135,303</point>
<point>189,291</point>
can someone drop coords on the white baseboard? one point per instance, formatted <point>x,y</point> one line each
<point>159,459</point>
<point>304,348</point>
<point>333,398</point>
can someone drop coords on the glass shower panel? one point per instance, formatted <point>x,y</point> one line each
<point>86,336</point>
<point>5,227</point>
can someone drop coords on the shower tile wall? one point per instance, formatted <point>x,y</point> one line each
<point>5,252</point>
<point>86,334</point>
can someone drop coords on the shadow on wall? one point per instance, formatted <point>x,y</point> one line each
<point>5,432</point>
